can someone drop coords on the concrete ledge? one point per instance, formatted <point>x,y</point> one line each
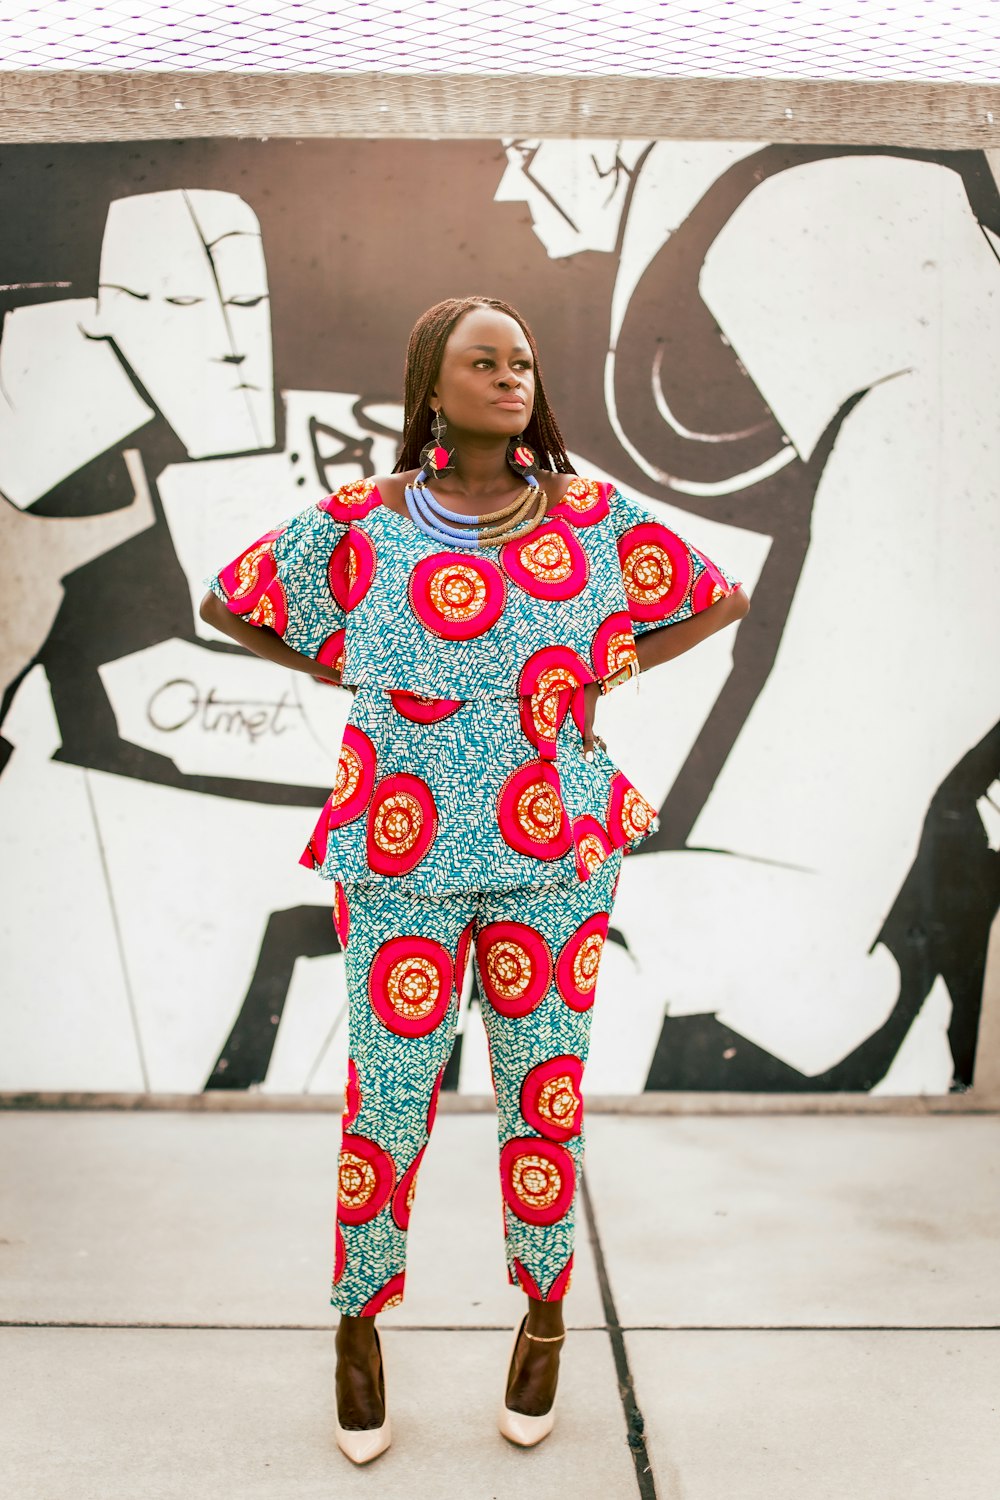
<point>653,1103</point>
<point>100,105</point>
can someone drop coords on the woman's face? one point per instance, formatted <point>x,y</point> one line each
<point>486,384</point>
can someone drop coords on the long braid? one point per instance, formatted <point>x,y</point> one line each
<point>423,361</point>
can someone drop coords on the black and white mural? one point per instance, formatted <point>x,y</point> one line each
<point>790,353</point>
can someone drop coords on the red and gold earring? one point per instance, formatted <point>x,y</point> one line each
<point>435,458</point>
<point>522,459</point>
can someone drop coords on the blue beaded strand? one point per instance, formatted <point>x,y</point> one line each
<point>432,518</point>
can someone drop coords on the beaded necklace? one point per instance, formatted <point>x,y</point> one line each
<point>490,530</point>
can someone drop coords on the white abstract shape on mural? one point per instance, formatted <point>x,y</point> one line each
<point>923,1064</point>
<point>628,1004</point>
<point>194,881</point>
<point>837,273</point>
<point>217,713</point>
<point>896,600</point>
<point>336,409</point>
<point>49,547</point>
<point>988,808</point>
<point>881,682</point>
<point>757,946</point>
<point>652,723</point>
<point>310,1050</point>
<point>216,508</point>
<point>672,180</point>
<point>576,191</point>
<point>67,1019</point>
<point>64,398</point>
<point>183,292</point>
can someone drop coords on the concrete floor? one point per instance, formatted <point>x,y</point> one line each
<point>807,1307</point>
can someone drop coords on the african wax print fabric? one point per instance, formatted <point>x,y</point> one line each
<point>537,954</point>
<point>460,765</point>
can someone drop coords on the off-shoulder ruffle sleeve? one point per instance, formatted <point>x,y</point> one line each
<point>297,579</point>
<point>666,578</point>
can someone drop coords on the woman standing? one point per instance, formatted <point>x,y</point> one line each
<point>477,603</point>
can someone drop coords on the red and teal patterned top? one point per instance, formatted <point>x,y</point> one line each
<point>460,765</point>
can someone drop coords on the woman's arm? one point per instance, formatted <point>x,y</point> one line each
<point>262,640</point>
<point>656,646</point>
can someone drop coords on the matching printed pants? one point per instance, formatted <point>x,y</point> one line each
<point>537,952</point>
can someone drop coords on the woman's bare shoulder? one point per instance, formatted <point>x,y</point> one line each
<point>390,488</point>
<point>554,485</point>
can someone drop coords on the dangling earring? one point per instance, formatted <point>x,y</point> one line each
<point>434,456</point>
<point>522,460</point>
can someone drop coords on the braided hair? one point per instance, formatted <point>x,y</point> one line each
<point>423,361</point>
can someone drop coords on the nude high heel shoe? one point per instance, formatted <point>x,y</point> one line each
<point>362,1444</point>
<point>517,1425</point>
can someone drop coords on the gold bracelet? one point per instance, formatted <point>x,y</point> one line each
<point>624,674</point>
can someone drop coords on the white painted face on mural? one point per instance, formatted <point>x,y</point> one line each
<point>183,293</point>
<point>576,190</point>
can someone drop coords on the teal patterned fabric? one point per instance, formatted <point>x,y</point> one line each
<point>461,765</point>
<point>537,954</point>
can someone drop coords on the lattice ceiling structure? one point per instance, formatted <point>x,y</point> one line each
<point>913,72</point>
<point>937,40</point>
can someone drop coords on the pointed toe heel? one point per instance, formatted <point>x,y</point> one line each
<point>517,1426</point>
<point>362,1444</point>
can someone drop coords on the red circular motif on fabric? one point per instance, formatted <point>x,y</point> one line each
<point>351,500</point>
<point>537,1179</point>
<point>656,570</point>
<point>351,568</point>
<point>339,1254</point>
<point>366,1177</point>
<point>530,812</point>
<point>561,1285</point>
<point>613,644</point>
<point>402,1198</point>
<point>578,964</point>
<point>630,816</point>
<point>391,1295</point>
<point>422,710</point>
<point>551,1097</point>
<point>456,596</point>
<point>542,705</point>
<point>710,587</point>
<point>523,1278</point>
<point>352,787</point>
<point>548,564</point>
<point>462,957</point>
<point>593,844</point>
<point>435,1091</point>
<point>253,587</point>
<point>331,653</point>
<point>352,1095</point>
<point>410,985</point>
<point>584,503</point>
<point>341,914</point>
<point>247,576</point>
<point>515,966</point>
<point>402,824</point>
<point>271,608</point>
<point>347,801</point>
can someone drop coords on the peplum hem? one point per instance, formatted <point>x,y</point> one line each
<point>448,795</point>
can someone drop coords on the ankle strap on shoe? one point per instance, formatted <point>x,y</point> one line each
<point>538,1338</point>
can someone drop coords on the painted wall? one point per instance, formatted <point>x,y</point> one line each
<point>792,354</point>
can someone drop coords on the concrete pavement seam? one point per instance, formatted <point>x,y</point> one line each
<point>635,1426</point>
